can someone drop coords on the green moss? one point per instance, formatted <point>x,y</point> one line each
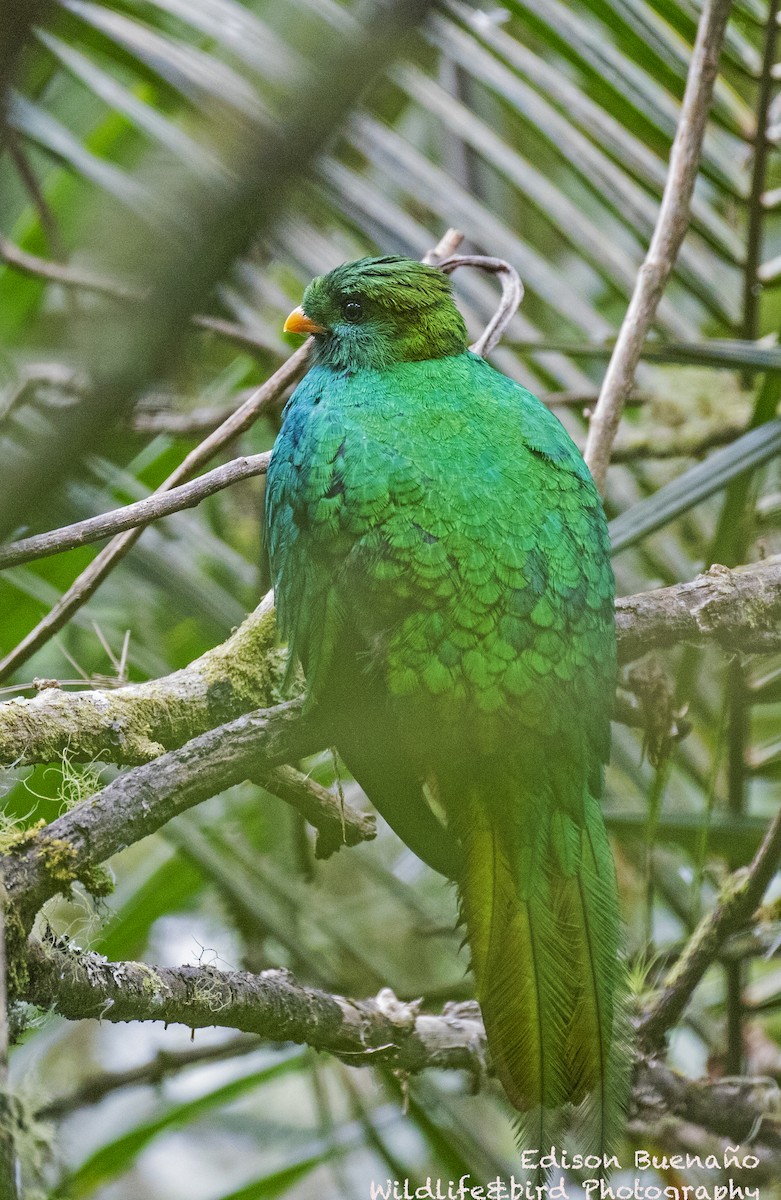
<point>97,881</point>
<point>152,984</point>
<point>17,972</point>
<point>13,839</point>
<point>61,862</point>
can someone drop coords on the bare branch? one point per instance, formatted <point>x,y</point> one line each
<point>80,280</point>
<point>254,341</point>
<point>691,440</point>
<point>90,579</point>
<point>671,226</point>
<point>67,276</point>
<point>162,504</point>
<point>739,898</point>
<point>138,515</point>
<point>165,1062</point>
<point>740,610</point>
<point>149,417</point>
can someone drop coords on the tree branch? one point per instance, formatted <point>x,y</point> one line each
<point>272,1005</point>
<point>136,723</point>
<point>150,417</point>
<point>671,226</point>
<point>380,1031</point>
<point>47,861</point>
<point>739,898</point>
<point>138,515</point>
<point>740,610</point>
<point>154,1071</point>
<point>44,269</point>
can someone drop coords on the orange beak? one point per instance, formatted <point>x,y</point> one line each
<point>299,322</point>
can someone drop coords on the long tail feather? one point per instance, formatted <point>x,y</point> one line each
<point>538,897</point>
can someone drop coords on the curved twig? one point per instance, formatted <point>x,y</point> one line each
<point>512,295</point>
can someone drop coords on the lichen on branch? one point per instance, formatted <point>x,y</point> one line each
<point>381,1030</point>
<point>738,610</point>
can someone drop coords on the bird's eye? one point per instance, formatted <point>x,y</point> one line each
<point>352,310</point>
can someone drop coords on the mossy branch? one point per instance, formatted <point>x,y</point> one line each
<point>137,723</point>
<point>378,1031</point>
<point>145,798</point>
<point>738,610</point>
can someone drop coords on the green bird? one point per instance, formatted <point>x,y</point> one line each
<point>442,572</point>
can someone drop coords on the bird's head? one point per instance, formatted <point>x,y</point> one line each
<point>376,312</point>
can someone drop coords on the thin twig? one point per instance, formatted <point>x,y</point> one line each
<point>138,515</point>
<point>68,276</point>
<point>252,340</point>
<point>149,418</point>
<point>86,281</point>
<point>165,1062</point>
<point>35,191</point>
<point>690,440</point>
<point>512,295</point>
<point>671,226</point>
<point>90,579</point>
<point>756,210</point>
<point>738,900</point>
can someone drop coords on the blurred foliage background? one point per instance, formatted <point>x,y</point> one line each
<point>542,130</point>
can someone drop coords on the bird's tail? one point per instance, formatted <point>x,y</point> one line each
<point>538,897</point>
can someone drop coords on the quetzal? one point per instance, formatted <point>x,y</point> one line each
<point>442,572</point>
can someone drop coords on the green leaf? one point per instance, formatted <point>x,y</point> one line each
<point>748,452</point>
<point>117,1156</point>
<point>193,72</point>
<point>278,1182</point>
<point>42,128</point>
